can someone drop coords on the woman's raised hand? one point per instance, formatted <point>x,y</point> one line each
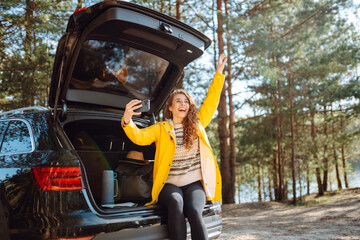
<point>130,110</point>
<point>221,63</point>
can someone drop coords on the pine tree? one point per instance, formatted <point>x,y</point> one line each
<point>31,29</point>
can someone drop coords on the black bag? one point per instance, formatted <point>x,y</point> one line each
<point>135,180</point>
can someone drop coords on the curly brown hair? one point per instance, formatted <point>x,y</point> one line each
<point>190,123</point>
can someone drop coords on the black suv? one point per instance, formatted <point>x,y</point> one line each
<point>52,161</point>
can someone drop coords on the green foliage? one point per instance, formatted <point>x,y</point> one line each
<point>28,41</point>
<point>303,55</point>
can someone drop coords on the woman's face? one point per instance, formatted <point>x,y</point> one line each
<point>179,107</point>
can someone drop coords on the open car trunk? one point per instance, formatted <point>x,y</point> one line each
<point>111,53</point>
<point>102,146</point>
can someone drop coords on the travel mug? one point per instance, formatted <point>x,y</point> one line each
<point>109,192</point>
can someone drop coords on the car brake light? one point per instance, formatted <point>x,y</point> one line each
<point>79,10</point>
<point>58,178</point>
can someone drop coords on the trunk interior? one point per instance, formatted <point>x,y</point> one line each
<point>102,146</point>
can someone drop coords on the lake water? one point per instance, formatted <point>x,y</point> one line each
<point>249,193</point>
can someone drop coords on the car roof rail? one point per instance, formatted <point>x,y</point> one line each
<point>22,110</point>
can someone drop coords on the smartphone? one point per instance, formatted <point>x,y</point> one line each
<point>145,106</point>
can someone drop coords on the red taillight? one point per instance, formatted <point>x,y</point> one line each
<point>58,178</point>
<point>79,10</point>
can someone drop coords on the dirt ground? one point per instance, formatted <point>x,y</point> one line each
<point>333,216</point>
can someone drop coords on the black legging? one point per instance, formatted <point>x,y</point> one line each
<point>187,201</point>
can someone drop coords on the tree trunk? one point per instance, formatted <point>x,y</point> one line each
<point>343,153</point>
<point>231,105</point>
<point>178,9</point>
<point>279,161</point>
<point>228,196</point>
<point>326,159</point>
<point>275,175</point>
<point>344,165</point>
<point>270,192</point>
<point>259,183</point>
<point>27,91</point>
<point>306,160</point>
<point>284,194</point>
<point>337,170</point>
<point>300,183</point>
<point>293,172</point>
<point>334,153</point>
<point>307,178</point>
<point>318,180</point>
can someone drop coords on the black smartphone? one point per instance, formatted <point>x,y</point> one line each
<point>145,106</point>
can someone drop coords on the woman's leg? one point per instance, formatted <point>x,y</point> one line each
<point>194,203</point>
<point>171,196</point>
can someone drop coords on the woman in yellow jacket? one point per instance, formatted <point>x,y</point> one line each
<point>186,173</point>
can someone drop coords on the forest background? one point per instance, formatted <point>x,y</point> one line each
<point>288,118</point>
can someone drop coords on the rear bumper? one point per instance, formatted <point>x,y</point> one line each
<point>157,232</point>
<point>148,233</point>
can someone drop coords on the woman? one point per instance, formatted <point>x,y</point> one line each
<point>185,170</point>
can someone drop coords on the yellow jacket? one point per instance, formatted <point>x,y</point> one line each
<point>164,137</point>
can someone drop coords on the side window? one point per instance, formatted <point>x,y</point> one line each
<point>17,138</point>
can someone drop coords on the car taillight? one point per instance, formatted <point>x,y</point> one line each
<point>58,178</point>
<point>78,238</point>
<point>79,10</point>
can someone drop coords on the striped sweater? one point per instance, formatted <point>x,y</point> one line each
<point>185,168</point>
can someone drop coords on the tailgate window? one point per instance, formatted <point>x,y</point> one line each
<point>117,69</point>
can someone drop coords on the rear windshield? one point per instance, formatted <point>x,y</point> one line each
<point>117,69</point>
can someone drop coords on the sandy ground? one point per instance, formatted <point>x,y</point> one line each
<point>334,216</point>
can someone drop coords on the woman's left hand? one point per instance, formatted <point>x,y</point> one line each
<point>221,63</point>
